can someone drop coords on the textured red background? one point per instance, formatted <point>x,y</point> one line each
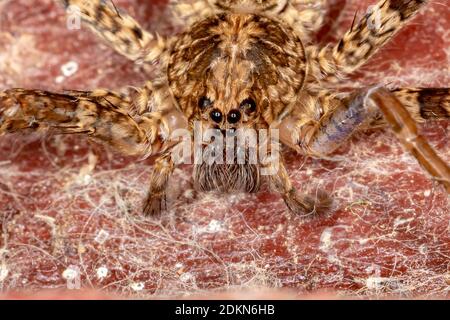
<point>389,234</point>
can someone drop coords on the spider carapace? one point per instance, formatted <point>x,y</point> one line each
<point>239,64</point>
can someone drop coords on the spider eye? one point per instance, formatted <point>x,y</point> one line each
<point>204,102</point>
<point>234,116</point>
<point>216,116</point>
<point>249,105</point>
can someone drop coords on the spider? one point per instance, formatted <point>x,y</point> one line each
<point>239,64</point>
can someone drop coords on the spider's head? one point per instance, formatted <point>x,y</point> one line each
<point>229,99</point>
<point>236,70</point>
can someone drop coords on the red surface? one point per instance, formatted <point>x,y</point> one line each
<point>389,234</point>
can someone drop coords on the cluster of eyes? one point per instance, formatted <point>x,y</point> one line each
<point>234,116</point>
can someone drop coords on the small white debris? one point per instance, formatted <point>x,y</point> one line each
<point>325,240</point>
<point>102,272</point>
<point>214,226</point>
<point>309,172</point>
<point>69,69</point>
<point>3,272</point>
<point>70,273</point>
<point>375,282</point>
<point>189,194</point>
<point>179,265</point>
<point>137,286</point>
<point>363,241</point>
<point>60,79</point>
<point>427,193</point>
<point>102,236</point>
<point>87,179</point>
<point>423,249</point>
<point>185,277</point>
<point>399,221</point>
<point>85,175</point>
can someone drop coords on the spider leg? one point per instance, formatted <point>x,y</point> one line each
<point>406,130</point>
<point>301,204</point>
<point>352,113</point>
<point>189,11</point>
<point>156,198</point>
<point>102,115</point>
<point>425,103</point>
<point>117,28</point>
<point>306,16</point>
<point>363,40</point>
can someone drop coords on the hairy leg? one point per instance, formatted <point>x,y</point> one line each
<point>301,204</point>
<point>117,28</point>
<point>425,103</point>
<point>101,115</point>
<point>156,198</point>
<point>356,112</point>
<point>189,11</point>
<point>306,16</point>
<point>363,39</point>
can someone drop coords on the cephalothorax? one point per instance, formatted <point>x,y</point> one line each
<point>239,64</point>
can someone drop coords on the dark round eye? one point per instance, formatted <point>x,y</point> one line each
<point>216,116</point>
<point>204,102</point>
<point>249,105</point>
<point>234,116</point>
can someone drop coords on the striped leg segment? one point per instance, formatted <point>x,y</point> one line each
<point>306,16</point>
<point>190,11</point>
<point>425,103</point>
<point>117,28</point>
<point>99,114</point>
<point>156,198</point>
<point>357,112</point>
<point>406,130</point>
<point>364,39</point>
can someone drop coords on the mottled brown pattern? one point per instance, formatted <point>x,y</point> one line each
<point>155,202</point>
<point>364,39</point>
<point>425,103</point>
<point>230,57</point>
<point>101,115</point>
<point>117,28</point>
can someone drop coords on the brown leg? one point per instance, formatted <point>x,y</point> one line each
<point>363,40</point>
<point>156,198</point>
<point>190,11</point>
<point>306,16</point>
<point>356,112</point>
<point>117,28</point>
<point>425,103</point>
<point>301,204</point>
<point>406,130</point>
<point>101,115</point>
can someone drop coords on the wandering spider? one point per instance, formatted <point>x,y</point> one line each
<point>241,64</point>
